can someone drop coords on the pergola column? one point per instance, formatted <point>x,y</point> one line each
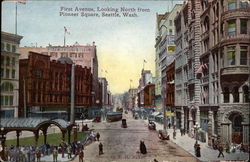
<point>45,135</point>
<point>17,139</point>
<point>69,134</point>
<point>36,133</point>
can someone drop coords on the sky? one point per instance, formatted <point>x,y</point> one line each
<point>123,43</point>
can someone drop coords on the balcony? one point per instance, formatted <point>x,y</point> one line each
<point>235,70</point>
<point>241,38</point>
<point>205,80</point>
<point>232,14</point>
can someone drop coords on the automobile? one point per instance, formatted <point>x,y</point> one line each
<point>163,135</point>
<point>151,125</point>
<point>136,116</point>
<point>124,123</point>
<point>126,112</point>
<point>97,119</point>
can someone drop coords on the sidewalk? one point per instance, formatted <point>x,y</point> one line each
<point>207,154</point>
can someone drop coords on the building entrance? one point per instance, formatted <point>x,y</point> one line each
<point>237,131</point>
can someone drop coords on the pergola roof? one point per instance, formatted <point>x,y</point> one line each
<point>31,123</point>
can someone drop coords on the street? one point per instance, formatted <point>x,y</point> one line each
<point>122,144</point>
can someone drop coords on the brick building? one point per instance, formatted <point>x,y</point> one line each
<point>45,85</point>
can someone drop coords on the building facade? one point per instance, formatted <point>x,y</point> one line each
<point>212,69</point>
<point>224,74</point>
<point>9,74</point>
<point>165,49</point>
<point>45,85</point>
<point>132,98</point>
<point>84,55</point>
<point>170,93</point>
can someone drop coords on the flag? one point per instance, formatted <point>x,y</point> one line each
<point>21,1</point>
<point>145,61</point>
<point>66,31</point>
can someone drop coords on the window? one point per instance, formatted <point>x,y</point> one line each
<point>2,71</point>
<point>243,55</point>
<point>8,47</point>
<point>246,94</point>
<point>13,74</point>
<point>243,4</point>
<point>2,60</point>
<point>231,55</point>
<point>11,100</point>
<point>226,95</point>
<point>7,73</point>
<point>243,26</point>
<point>8,87</point>
<point>232,27</point>
<point>170,22</point>
<point>2,46</point>
<point>13,61</point>
<point>232,4</point>
<point>170,32</point>
<point>2,100</point>
<point>236,94</point>
<point>7,61</point>
<point>13,48</point>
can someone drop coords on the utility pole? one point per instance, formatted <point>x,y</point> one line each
<point>72,105</point>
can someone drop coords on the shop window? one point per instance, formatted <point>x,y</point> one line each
<point>246,94</point>
<point>232,4</point>
<point>243,26</point>
<point>231,55</point>
<point>235,94</point>
<point>243,55</point>
<point>226,95</point>
<point>231,27</point>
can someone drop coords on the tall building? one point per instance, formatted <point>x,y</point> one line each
<point>45,85</point>
<point>212,69</point>
<point>165,51</point>
<point>132,97</point>
<point>224,71</point>
<point>146,79</point>
<point>9,74</point>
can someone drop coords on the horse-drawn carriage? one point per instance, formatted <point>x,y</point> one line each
<point>163,135</point>
<point>151,125</point>
<point>124,123</point>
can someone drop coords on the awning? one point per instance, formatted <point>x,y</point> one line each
<point>155,113</point>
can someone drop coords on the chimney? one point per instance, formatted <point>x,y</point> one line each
<point>93,43</point>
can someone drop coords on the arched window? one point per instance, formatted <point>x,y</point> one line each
<point>7,87</point>
<point>245,94</point>
<point>236,94</point>
<point>226,95</point>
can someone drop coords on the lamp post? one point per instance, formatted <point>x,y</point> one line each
<point>2,139</point>
<point>196,128</point>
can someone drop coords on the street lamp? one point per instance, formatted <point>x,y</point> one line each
<point>196,128</point>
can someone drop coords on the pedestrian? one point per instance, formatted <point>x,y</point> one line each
<point>69,150</point>
<point>143,148</point>
<point>220,151</point>
<point>169,125</point>
<point>38,155</point>
<point>174,134</point>
<point>100,148</point>
<point>81,155</point>
<point>55,154</point>
<point>156,160</point>
<point>97,136</point>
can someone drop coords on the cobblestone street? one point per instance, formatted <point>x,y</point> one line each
<point>122,144</point>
